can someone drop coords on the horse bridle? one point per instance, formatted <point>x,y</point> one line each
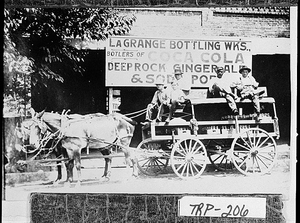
<point>45,135</point>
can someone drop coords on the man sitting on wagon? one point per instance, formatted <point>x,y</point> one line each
<point>247,86</point>
<point>221,87</point>
<point>159,102</point>
<point>182,82</point>
<point>176,98</point>
<point>177,93</point>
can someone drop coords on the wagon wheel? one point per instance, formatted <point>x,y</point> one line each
<point>254,152</point>
<point>220,158</point>
<point>188,158</point>
<point>153,161</point>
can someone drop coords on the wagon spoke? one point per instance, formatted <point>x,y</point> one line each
<point>181,149</point>
<point>184,165</point>
<point>258,141</point>
<point>256,160</point>
<point>199,160</point>
<point>192,149</point>
<point>187,169</point>
<point>200,147</point>
<point>262,161</point>
<point>153,163</point>
<point>249,138</point>
<point>198,171</point>
<point>190,171</point>
<point>219,156</point>
<point>147,164</point>
<point>260,154</point>
<point>242,152</point>
<point>159,162</point>
<point>185,144</point>
<point>243,161</point>
<point>266,158</point>
<point>141,160</point>
<point>257,137</point>
<point>180,152</point>
<point>240,145</point>
<point>188,158</point>
<point>178,157</point>
<point>157,165</point>
<point>266,147</point>
<point>191,168</point>
<point>223,159</point>
<point>190,145</point>
<point>249,146</point>
<point>263,142</point>
<point>254,137</point>
<point>199,164</point>
<point>253,163</point>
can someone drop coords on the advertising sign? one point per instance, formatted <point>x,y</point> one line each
<point>132,61</point>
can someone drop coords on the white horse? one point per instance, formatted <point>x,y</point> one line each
<point>95,131</point>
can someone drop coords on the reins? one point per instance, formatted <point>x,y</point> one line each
<point>136,113</point>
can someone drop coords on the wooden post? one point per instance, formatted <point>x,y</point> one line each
<point>3,169</point>
<point>110,100</point>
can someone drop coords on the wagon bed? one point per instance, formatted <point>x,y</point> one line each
<point>209,132</point>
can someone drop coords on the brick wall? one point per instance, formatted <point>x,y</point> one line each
<point>261,22</point>
<point>247,23</point>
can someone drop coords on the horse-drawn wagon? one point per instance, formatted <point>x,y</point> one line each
<point>201,133</point>
<point>207,133</point>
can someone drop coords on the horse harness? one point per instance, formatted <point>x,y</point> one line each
<point>47,134</point>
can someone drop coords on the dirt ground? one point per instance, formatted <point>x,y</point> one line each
<point>211,182</point>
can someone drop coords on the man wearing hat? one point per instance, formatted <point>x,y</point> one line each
<point>159,101</point>
<point>247,86</point>
<point>178,92</point>
<point>182,82</point>
<point>221,87</point>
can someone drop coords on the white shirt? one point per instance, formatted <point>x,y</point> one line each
<point>183,84</point>
<point>222,83</point>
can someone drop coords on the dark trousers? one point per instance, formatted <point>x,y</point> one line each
<point>255,101</point>
<point>175,104</point>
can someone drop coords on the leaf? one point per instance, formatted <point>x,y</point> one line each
<point>42,34</point>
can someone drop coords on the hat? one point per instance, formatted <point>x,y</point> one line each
<point>159,80</point>
<point>185,87</point>
<point>244,68</point>
<point>177,71</point>
<point>220,69</point>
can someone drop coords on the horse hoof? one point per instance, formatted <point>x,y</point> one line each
<point>55,183</point>
<point>67,184</point>
<point>105,178</point>
<point>135,175</point>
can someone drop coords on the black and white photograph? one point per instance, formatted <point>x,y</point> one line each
<point>149,111</point>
